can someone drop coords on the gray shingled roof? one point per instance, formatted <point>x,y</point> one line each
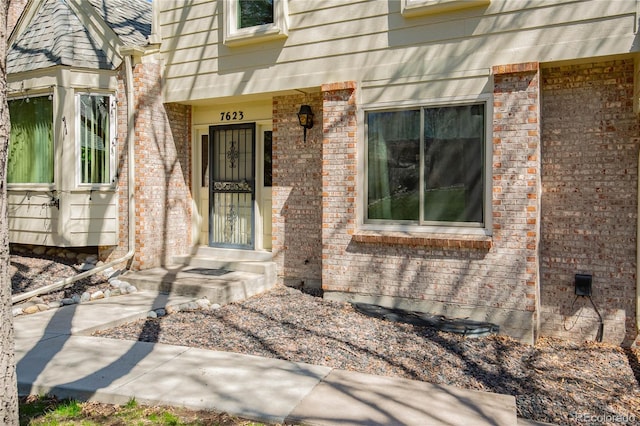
<point>56,36</point>
<point>129,19</point>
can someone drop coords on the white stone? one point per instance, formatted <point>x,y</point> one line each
<point>54,305</point>
<point>97,295</point>
<point>107,293</point>
<point>152,314</point>
<point>17,311</point>
<point>85,297</point>
<point>215,306</point>
<point>203,304</point>
<point>131,288</point>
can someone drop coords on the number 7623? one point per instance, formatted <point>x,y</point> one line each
<point>231,115</point>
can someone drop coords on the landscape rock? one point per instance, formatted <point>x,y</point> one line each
<point>97,295</point>
<point>54,305</point>
<point>152,314</point>
<point>31,309</point>
<point>85,297</point>
<point>87,266</point>
<point>17,311</point>
<point>67,301</point>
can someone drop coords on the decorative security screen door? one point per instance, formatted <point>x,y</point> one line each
<point>232,186</point>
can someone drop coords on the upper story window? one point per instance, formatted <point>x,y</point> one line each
<point>426,166</point>
<point>250,21</point>
<point>252,13</point>
<point>96,137</point>
<point>424,7</point>
<point>31,141</point>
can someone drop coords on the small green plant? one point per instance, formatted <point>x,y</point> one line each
<point>69,409</point>
<point>50,411</point>
<point>132,403</point>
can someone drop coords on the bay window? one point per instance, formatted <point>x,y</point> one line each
<point>426,166</point>
<point>96,138</point>
<point>31,151</point>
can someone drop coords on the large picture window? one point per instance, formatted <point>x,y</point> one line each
<point>426,166</point>
<point>31,141</point>
<point>96,130</point>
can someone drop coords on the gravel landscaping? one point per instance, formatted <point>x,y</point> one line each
<point>553,381</point>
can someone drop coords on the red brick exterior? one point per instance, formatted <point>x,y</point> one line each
<point>162,175</point>
<point>589,210</point>
<point>297,192</point>
<point>15,9</point>
<point>487,278</point>
<point>516,179</point>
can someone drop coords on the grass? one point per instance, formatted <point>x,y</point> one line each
<point>50,411</point>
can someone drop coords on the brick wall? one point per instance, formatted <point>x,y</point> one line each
<point>485,279</point>
<point>589,209</point>
<point>297,192</point>
<point>163,173</point>
<point>16,7</point>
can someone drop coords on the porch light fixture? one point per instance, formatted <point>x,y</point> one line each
<point>305,117</point>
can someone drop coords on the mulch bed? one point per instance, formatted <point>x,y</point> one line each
<point>32,272</point>
<point>554,381</point>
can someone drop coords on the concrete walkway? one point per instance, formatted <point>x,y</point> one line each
<point>55,354</point>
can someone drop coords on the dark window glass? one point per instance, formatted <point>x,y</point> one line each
<point>252,13</point>
<point>268,164</point>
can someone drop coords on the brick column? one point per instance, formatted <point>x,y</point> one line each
<point>339,171</point>
<point>516,173</point>
<point>163,173</point>
<point>296,191</point>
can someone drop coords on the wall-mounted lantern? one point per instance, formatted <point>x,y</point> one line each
<point>305,117</point>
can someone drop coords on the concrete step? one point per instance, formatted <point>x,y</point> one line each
<point>220,286</point>
<point>220,275</point>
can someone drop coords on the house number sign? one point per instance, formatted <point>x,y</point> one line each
<point>231,115</point>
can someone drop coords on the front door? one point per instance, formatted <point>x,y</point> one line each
<point>232,186</point>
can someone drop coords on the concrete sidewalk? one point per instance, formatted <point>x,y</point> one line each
<point>56,355</point>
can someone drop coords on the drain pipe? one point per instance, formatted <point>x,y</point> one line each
<point>637,340</point>
<point>131,192</point>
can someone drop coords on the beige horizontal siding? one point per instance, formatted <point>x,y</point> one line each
<point>82,219</point>
<point>371,40</point>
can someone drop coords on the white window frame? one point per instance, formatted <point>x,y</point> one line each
<point>410,8</point>
<point>113,116</point>
<point>234,36</point>
<point>483,229</point>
